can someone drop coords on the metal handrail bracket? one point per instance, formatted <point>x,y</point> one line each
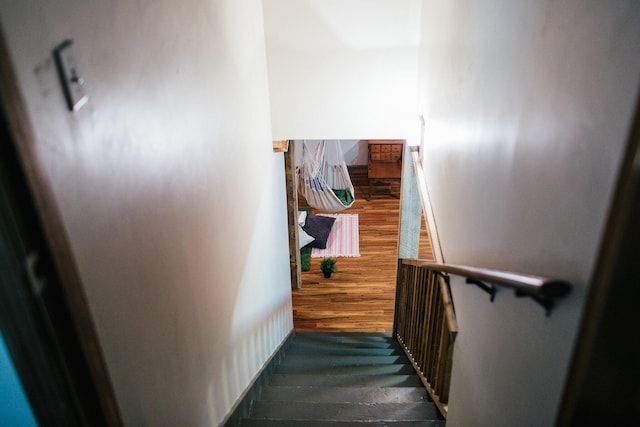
<point>542,290</point>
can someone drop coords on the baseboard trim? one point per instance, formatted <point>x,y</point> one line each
<point>243,406</point>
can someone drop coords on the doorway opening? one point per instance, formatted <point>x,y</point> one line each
<point>360,295</point>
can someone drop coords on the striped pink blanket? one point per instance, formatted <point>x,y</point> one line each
<point>344,239</point>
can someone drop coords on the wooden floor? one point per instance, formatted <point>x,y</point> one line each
<point>359,297</point>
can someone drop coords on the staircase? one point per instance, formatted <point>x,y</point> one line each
<point>343,379</point>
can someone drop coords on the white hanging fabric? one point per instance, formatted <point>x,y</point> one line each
<point>323,178</point>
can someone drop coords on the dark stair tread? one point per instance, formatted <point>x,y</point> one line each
<point>306,359</point>
<point>409,380</point>
<point>343,379</point>
<point>345,394</point>
<point>349,337</point>
<point>298,368</point>
<point>353,338</point>
<point>304,346</point>
<point>344,411</point>
<point>314,423</point>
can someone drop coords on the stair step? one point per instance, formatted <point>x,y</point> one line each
<point>345,394</point>
<point>400,369</point>
<point>278,410</point>
<point>306,359</point>
<point>325,423</point>
<point>320,347</point>
<point>344,364</point>
<point>408,380</point>
<point>340,380</point>
<point>350,337</point>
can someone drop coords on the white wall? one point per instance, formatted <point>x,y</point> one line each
<point>527,107</point>
<point>342,69</point>
<point>170,192</point>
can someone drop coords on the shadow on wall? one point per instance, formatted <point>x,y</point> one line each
<point>169,304</point>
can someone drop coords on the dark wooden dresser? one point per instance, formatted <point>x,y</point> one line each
<point>385,160</point>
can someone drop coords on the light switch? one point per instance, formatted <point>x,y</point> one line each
<point>72,82</point>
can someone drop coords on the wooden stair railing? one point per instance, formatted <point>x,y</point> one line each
<point>425,326</point>
<point>424,319</point>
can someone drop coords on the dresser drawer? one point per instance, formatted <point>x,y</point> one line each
<point>396,152</point>
<point>385,159</point>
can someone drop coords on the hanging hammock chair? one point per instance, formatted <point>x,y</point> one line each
<point>323,178</point>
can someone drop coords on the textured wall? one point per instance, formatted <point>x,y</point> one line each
<point>527,107</point>
<point>170,192</point>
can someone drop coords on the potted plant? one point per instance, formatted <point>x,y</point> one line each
<point>328,266</point>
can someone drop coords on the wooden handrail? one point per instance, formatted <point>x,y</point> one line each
<point>427,209</point>
<point>525,283</point>
<point>434,238</point>
<point>424,320</point>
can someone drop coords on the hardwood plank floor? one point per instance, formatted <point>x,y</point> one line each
<point>359,297</point>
